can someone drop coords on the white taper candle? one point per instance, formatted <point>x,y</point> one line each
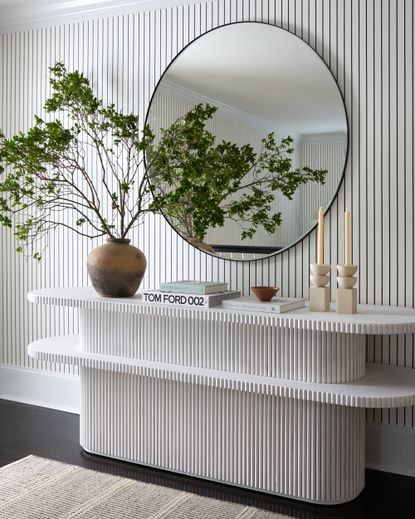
<point>347,259</point>
<point>320,236</point>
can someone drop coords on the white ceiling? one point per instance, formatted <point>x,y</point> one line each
<point>54,4</point>
<point>12,2</point>
<point>266,72</point>
<point>26,14</point>
<point>22,14</point>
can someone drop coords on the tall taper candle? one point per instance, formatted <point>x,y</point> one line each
<point>347,237</point>
<point>320,237</point>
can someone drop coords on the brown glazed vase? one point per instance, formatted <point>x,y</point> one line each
<point>116,268</point>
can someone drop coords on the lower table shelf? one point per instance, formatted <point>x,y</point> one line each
<point>382,385</point>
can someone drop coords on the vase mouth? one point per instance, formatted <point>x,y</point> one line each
<point>118,240</point>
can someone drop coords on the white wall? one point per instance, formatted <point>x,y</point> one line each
<point>368,47</point>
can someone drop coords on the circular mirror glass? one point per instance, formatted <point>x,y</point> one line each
<point>250,138</point>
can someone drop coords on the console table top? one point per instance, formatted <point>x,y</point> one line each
<point>370,319</point>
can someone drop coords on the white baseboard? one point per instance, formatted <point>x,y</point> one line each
<point>40,388</point>
<point>389,448</point>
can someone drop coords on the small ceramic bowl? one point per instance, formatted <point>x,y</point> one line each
<point>319,270</point>
<point>346,270</point>
<point>264,293</point>
<point>346,282</point>
<point>319,281</point>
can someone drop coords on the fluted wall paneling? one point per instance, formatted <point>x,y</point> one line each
<point>329,156</point>
<point>369,47</point>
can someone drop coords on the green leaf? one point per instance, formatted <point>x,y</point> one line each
<point>199,183</point>
<point>44,171</point>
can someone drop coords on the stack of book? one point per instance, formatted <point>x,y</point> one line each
<point>190,293</point>
<point>278,305</point>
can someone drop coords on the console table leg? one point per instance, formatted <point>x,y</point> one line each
<point>299,449</point>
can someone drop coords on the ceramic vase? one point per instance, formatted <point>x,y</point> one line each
<point>116,268</point>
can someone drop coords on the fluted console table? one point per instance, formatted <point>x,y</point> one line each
<point>269,402</point>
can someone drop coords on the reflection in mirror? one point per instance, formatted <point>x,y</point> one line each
<point>259,80</point>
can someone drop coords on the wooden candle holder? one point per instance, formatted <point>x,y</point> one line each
<point>346,302</point>
<point>319,291</point>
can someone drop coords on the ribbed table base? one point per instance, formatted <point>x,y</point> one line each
<point>299,449</point>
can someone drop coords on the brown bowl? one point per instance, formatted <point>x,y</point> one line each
<point>264,293</point>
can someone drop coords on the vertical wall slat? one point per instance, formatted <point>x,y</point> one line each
<point>368,45</point>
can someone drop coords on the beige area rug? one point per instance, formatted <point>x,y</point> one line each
<point>34,488</point>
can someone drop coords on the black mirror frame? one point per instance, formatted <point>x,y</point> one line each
<point>346,160</point>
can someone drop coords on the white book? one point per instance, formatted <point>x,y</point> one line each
<point>187,300</point>
<point>276,306</point>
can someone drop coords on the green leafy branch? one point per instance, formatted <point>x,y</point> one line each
<point>199,183</point>
<point>48,169</point>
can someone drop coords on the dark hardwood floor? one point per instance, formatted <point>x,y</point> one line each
<point>26,429</point>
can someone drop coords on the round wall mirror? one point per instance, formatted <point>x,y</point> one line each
<point>250,138</point>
